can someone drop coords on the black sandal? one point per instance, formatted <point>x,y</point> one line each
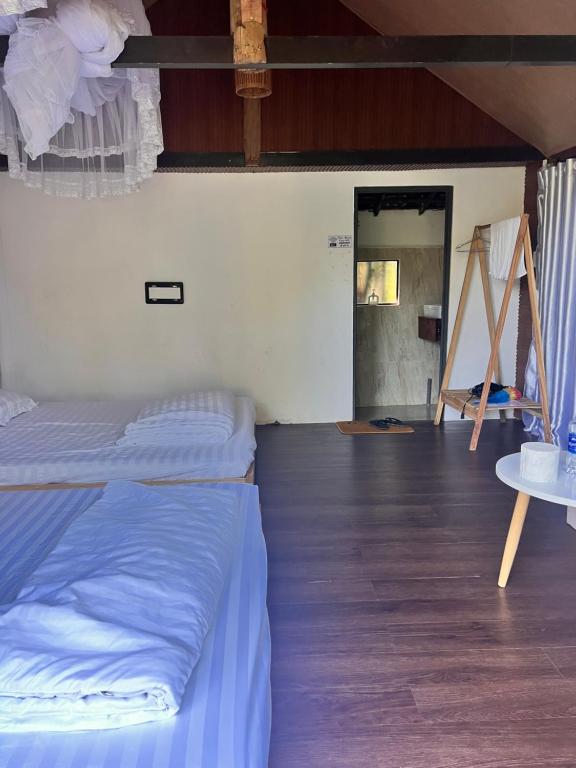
<point>386,423</point>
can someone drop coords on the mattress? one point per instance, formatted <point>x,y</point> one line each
<point>225,717</point>
<point>75,442</point>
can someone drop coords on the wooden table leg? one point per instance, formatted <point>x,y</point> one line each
<point>513,538</point>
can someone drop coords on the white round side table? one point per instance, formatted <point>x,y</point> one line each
<point>561,491</point>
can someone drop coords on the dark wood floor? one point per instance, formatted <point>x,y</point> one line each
<point>392,645</point>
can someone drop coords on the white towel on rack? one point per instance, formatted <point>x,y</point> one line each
<point>503,236</point>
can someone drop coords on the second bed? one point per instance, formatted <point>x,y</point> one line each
<point>74,442</point>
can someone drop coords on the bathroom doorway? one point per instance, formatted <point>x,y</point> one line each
<point>401,286</point>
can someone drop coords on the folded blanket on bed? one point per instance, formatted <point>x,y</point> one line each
<point>199,417</point>
<point>108,629</point>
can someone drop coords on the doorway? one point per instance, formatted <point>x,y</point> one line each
<point>401,285</point>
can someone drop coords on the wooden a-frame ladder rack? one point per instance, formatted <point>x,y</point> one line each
<point>460,398</point>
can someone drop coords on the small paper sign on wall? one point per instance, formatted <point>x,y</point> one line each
<point>339,241</point>
<point>164,293</point>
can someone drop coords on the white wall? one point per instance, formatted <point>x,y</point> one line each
<point>402,229</point>
<point>268,307</point>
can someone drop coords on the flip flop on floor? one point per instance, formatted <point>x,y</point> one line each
<point>386,423</point>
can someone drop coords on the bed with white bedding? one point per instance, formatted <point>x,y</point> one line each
<point>224,719</point>
<point>75,442</point>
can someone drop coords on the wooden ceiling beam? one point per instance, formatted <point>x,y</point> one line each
<point>369,52</point>
<point>249,27</point>
<point>252,132</point>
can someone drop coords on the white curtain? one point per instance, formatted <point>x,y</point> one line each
<point>557,298</point>
<point>69,123</point>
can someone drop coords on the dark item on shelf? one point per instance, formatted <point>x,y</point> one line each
<point>476,391</point>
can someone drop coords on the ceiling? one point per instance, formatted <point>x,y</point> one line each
<point>536,103</point>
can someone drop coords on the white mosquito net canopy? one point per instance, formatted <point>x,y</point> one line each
<point>69,123</point>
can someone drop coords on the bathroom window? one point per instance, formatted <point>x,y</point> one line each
<point>377,282</point>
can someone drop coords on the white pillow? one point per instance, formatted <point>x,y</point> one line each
<point>12,404</point>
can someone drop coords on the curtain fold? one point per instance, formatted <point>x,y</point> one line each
<point>556,260</point>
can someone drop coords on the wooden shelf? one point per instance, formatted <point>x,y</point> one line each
<point>459,399</point>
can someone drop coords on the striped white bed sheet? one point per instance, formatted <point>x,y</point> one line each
<point>225,717</point>
<point>75,442</point>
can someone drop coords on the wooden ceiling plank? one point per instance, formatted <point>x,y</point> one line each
<point>536,103</point>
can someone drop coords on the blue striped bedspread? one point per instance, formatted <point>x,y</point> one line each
<point>75,442</point>
<point>224,721</point>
